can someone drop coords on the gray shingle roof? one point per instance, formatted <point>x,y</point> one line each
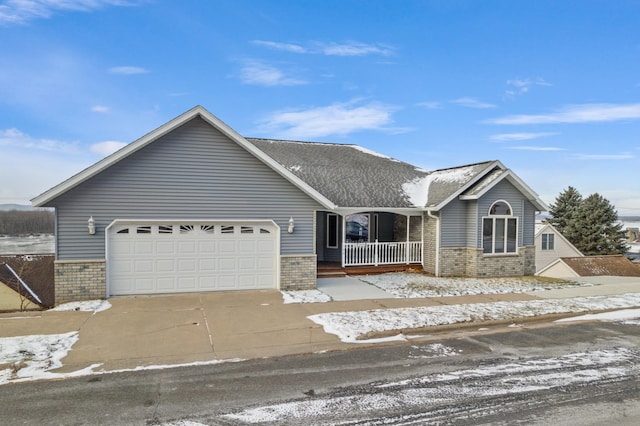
<point>351,176</point>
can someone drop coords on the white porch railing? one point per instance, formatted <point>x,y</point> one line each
<point>377,253</point>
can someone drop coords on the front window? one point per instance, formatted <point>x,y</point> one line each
<point>500,230</point>
<point>548,242</point>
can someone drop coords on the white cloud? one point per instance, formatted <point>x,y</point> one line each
<point>261,74</point>
<point>100,108</point>
<point>522,85</point>
<point>107,147</point>
<point>348,48</point>
<point>506,137</point>
<point>472,103</point>
<point>336,119</point>
<point>621,156</point>
<point>430,105</point>
<point>537,148</point>
<point>128,70</point>
<point>22,11</point>
<point>14,138</point>
<point>584,113</point>
<point>354,48</point>
<point>287,47</point>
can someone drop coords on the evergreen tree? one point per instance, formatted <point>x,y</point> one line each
<point>594,228</point>
<point>563,210</point>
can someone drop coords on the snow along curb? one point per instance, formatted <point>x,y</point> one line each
<point>353,327</point>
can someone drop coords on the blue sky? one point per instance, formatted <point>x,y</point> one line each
<point>550,88</point>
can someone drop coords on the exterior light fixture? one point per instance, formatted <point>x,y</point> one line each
<point>291,225</point>
<point>91,224</point>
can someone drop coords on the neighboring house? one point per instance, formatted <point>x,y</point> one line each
<point>15,294</point>
<point>552,245</point>
<point>194,206</point>
<point>591,266</point>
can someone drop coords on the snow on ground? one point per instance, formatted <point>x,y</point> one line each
<point>26,358</point>
<point>352,327</point>
<point>445,388</point>
<point>29,358</point>
<point>305,296</point>
<point>628,316</point>
<point>408,285</point>
<point>94,306</point>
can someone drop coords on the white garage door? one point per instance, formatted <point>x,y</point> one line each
<point>171,257</point>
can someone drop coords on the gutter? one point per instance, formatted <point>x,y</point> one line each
<point>437,219</point>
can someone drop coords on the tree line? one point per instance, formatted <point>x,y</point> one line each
<point>591,224</point>
<point>20,222</point>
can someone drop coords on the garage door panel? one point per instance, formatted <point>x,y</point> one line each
<point>181,257</point>
<point>143,247</point>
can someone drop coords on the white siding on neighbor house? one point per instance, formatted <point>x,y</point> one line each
<point>194,172</point>
<point>558,270</point>
<point>562,248</point>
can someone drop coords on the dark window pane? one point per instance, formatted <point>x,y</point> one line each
<point>512,235</point>
<point>499,236</point>
<point>332,231</point>
<point>487,235</point>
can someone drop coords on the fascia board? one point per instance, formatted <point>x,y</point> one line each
<point>343,211</point>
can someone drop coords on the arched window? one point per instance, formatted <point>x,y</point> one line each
<point>500,230</point>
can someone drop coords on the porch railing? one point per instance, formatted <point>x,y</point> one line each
<point>387,253</point>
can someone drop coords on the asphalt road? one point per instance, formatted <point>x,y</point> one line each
<point>561,375</point>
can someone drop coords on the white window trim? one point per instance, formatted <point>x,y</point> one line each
<point>506,230</point>
<point>542,241</point>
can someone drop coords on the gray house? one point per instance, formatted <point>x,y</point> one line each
<point>194,206</point>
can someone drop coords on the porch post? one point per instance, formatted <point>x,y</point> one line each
<point>406,251</point>
<point>344,238</point>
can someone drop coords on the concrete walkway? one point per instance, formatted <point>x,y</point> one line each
<point>350,288</point>
<point>178,329</point>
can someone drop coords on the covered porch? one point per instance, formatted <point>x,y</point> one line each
<point>370,238</point>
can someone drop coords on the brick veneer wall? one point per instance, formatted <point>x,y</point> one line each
<point>471,262</point>
<point>79,280</point>
<point>298,272</point>
<point>429,244</point>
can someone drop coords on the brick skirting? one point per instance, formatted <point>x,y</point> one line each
<point>77,280</point>
<point>298,272</point>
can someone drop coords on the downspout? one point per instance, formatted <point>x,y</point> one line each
<point>437,219</point>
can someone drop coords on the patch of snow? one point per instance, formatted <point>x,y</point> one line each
<point>305,296</point>
<point>433,350</point>
<point>183,423</point>
<point>633,248</point>
<point>352,326</point>
<point>625,314</point>
<point>409,285</point>
<point>295,168</point>
<point>27,358</point>
<point>370,152</point>
<point>417,190</point>
<point>94,306</point>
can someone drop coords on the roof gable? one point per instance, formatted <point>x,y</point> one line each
<point>545,228</point>
<point>156,134</point>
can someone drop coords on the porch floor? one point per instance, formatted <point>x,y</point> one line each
<point>335,269</point>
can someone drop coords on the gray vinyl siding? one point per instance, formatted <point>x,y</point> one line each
<point>194,172</point>
<point>522,208</point>
<point>454,224</point>
<point>462,220</point>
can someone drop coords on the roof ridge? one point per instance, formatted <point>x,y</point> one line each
<point>464,165</point>
<point>298,141</point>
